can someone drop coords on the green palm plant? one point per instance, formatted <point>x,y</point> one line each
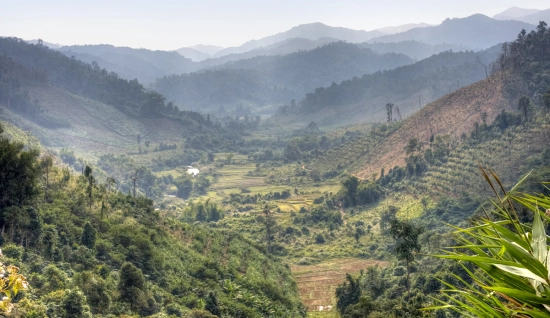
<point>511,260</point>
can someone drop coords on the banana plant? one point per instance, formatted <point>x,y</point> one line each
<point>11,283</point>
<point>511,259</point>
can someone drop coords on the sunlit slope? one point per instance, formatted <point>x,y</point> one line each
<point>453,114</point>
<point>90,126</point>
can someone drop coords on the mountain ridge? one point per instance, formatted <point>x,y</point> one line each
<point>535,18</point>
<point>477,31</point>
<point>311,31</point>
<point>276,79</point>
<point>513,13</point>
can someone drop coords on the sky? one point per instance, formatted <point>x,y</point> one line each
<point>171,24</point>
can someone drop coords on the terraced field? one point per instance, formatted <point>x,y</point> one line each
<point>317,283</point>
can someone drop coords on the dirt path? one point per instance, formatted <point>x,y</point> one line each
<point>342,214</point>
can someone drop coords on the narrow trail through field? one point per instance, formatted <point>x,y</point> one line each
<point>342,214</point>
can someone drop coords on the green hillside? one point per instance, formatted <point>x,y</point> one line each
<point>86,249</point>
<point>417,174</point>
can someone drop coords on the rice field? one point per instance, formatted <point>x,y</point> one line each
<point>317,283</point>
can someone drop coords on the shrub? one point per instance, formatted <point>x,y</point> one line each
<point>399,271</point>
<point>319,239</point>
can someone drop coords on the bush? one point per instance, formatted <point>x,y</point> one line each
<point>12,251</point>
<point>74,304</point>
<point>319,239</point>
<point>319,200</point>
<point>399,271</point>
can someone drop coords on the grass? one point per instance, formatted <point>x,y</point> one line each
<point>18,135</point>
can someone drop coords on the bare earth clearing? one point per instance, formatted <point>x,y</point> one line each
<point>453,114</point>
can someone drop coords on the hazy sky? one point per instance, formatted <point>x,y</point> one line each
<point>170,24</point>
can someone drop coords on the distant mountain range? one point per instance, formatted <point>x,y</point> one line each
<point>199,52</point>
<point>535,18</point>
<point>207,49</point>
<point>192,54</point>
<point>531,16</point>
<point>145,65</point>
<point>264,82</point>
<point>280,48</point>
<point>312,32</point>
<point>290,64</point>
<point>402,28</point>
<point>408,87</point>
<point>514,13</point>
<point>477,31</point>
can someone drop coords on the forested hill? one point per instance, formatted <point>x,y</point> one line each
<point>476,31</point>
<point>414,49</point>
<point>90,251</point>
<point>87,80</point>
<point>268,80</point>
<point>68,103</point>
<point>144,65</point>
<point>408,87</point>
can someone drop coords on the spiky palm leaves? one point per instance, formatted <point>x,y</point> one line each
<point>512,260</point>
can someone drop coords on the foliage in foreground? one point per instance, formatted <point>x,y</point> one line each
<point>511,273</point>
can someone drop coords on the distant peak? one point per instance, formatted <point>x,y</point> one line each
<point>311,25</point>
<point>514,13</point>
<point>476,17</point>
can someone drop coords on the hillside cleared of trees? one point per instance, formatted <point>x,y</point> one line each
<point>454,114</point>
